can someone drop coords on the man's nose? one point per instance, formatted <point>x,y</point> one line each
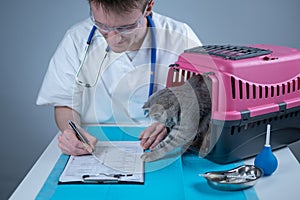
<point>114,37</point>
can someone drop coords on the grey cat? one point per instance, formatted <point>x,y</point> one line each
<point>186,111</point>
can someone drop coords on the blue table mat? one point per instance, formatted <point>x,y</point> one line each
<point>175,179</point>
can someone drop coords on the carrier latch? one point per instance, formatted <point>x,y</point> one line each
<point>245,116</point>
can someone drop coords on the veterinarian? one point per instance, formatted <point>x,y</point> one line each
<point>107,66</point>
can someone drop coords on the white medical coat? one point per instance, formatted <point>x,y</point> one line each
<point>123,85</point>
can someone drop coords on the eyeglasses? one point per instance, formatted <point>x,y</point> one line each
<point>125,29</point>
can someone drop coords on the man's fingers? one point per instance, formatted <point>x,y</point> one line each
<point>158,139</point>
<point>72,150</point>
<point>88,148</point>
<point>148,142</point>
<point>152,135</point>
<point>148,131</point>
<point>153,129</point>
<point>70,145</point>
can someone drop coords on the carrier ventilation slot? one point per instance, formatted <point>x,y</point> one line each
<point>246,90</point>
<point>247,127</point>
<point>229,51</point>
<point>180,76</point>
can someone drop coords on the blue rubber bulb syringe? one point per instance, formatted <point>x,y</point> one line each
<point>266,160</point>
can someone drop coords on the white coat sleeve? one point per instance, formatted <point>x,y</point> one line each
<point>59,87</point>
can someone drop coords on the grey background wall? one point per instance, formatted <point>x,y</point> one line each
<point>31,31</point>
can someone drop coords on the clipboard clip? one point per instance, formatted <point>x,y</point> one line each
<point>103,178</point>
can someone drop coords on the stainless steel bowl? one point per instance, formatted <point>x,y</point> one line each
<point>239,178</point>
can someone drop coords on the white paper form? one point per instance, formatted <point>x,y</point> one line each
<point>118,160</point>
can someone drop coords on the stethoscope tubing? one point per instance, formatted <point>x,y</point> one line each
<point>153,51</point>
<point>153,55</point>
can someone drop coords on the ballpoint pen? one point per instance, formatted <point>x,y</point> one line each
<point>81,137</point>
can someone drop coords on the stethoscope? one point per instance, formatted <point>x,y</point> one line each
<point>153,56</point>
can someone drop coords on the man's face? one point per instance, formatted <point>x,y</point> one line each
<point>122,31</point>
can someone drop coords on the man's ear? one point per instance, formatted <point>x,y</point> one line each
<point>150,7</point>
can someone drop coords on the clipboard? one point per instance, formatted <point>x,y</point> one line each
<point>116,162</point>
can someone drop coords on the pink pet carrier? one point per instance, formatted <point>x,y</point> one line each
<point>250,87</point>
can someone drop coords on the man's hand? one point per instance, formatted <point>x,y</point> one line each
<point>67,140</point>
<point>152,135</point>
<point>70,145</point>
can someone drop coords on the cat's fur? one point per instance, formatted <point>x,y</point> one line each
<point>186,112</point>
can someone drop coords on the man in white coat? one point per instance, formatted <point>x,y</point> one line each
<point>127,60</point>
